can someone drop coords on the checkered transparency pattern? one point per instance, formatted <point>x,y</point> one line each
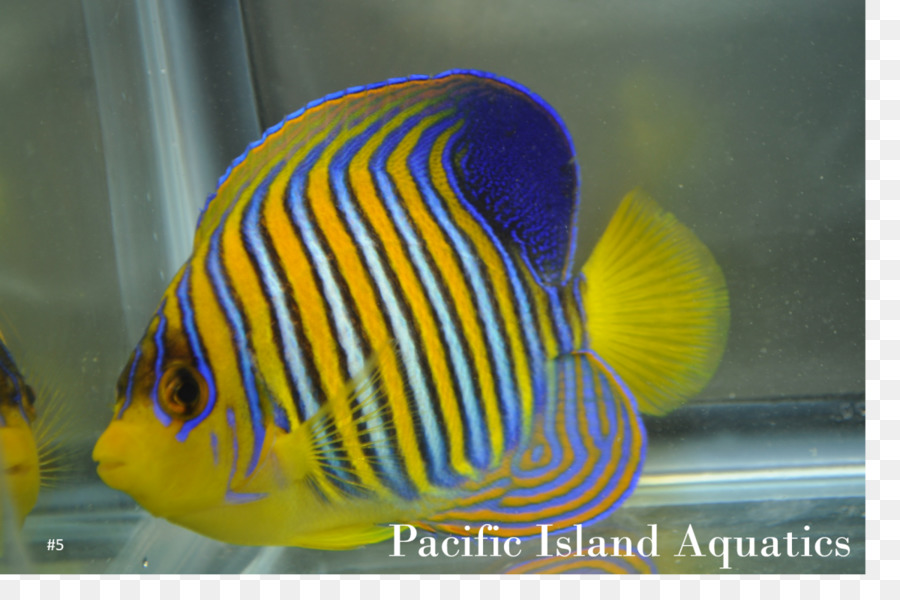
<point>882,268</point>
<point>410,587</point>
<point>883,295</point>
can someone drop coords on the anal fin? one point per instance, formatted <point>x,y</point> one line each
<point>591,446</point>
<point>344,538</point>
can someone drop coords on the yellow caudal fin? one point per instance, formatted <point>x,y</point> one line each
<point>656,304</point>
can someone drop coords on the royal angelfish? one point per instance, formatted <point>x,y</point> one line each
<point>20,479</point>
<point>379,324</point>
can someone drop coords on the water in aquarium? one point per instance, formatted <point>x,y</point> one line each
<point>737,127</point>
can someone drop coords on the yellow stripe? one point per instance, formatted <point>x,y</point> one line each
<point>545,327</point>
<point>522,482</point>
<point>324,212</point>
<point>462,220</point>
<point>291,140</point>
<point>577,401</point>
<point>291,144</point>
<point>610,496</point>
<point>311,304</point>
<point>249,294</point>
<point>626,408</point>
<point>422,318</point>
<point>526,520</point>
<point>215,332</point>
<point>499,280</point>
<point>250,297</point>
<point>442,256</point>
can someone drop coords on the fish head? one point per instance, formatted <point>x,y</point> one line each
<point>19,464</point>
<point>183,445</point>
<point>168,445</point>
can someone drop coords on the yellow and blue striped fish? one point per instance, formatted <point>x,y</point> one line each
<point>379,324</point>
<point>575,564</point>
<point>20,476</point>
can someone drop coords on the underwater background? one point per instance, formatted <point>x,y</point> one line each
<point>745,120</point>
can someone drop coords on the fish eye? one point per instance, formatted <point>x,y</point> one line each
<point>183,392</point>
<point>29,403</point>
<point>7,387</point>
<point>29,396</point>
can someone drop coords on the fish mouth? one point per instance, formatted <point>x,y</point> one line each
<point>18,470</point>
<point>115,474</point>
<point>108,455</point>
<point>104,468</point>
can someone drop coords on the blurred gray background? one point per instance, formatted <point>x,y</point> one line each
<point>745,119</point>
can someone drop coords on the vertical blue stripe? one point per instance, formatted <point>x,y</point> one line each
<point>507,392</point>
<point>159,345</point>
<point>214,444</point>
<point>293,357</point>
<point>537,352</point>
<point>556,386</point>
<point>230,496</point>
<point>241,342</point>
<point>561,323</point>
<point>347,339</point>
<point>475,433</point>
<point>189,324</point>
<point>435,446</point>
<point>569,402</point>
<point>129,389</point>
<point>614,406</point>
<point>576,285</point>
<point>301,218</point>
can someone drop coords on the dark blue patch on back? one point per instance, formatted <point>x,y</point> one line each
<point>514,163</point>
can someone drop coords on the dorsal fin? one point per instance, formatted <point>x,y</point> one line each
<point>511,160</point>
<point>514,162</point>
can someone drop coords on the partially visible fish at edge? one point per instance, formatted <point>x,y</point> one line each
<point>20,475</point>
<point>34,423</point>
<point>379,323</point>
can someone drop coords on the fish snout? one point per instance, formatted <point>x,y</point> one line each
<point>18,453</point>
<point>110,451</point>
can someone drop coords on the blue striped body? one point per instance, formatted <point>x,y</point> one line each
<point>379,322</point>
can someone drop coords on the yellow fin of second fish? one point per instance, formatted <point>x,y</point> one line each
<point>656,304</point>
